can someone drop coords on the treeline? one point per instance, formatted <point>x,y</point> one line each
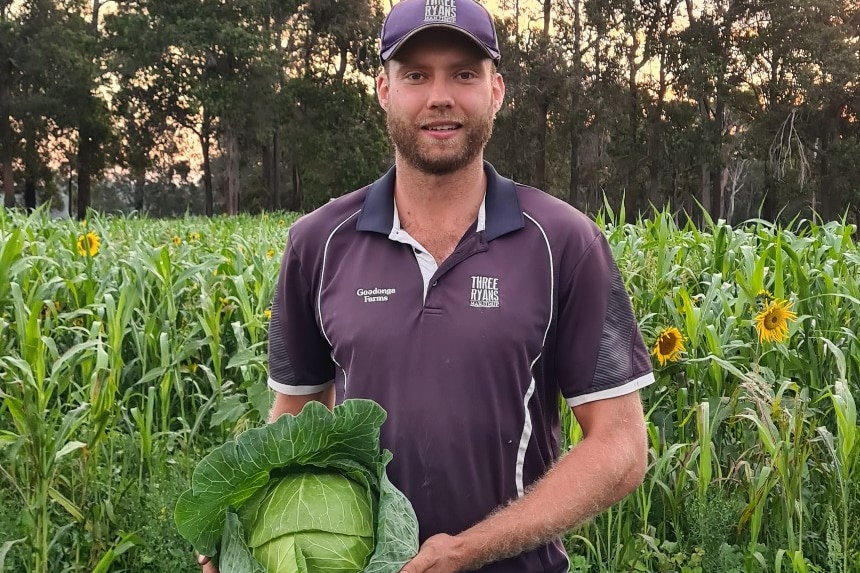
<point>745,107</point>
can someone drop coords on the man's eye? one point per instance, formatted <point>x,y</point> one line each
<point>413,76</point>
<point>466,75</point>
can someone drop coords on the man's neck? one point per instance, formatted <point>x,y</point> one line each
<point>440,199</point>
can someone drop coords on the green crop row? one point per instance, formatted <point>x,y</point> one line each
<point>130,347</point>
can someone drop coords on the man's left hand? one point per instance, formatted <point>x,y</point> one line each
<point>439,554</point>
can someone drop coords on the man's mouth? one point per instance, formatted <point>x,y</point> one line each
<point>441,126</point>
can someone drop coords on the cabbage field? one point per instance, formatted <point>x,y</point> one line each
<point>130,348</point>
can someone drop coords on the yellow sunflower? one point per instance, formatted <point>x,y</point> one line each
<point>668,346</point>
<point>194,237</point>
<point>177,241</point>
<point>764,294</point>
<point>270,253</point>
<point>267,313</point>
<point>772,322</point>
<point>89,244</point>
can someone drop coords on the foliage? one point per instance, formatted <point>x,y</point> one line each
<point>742,107</point>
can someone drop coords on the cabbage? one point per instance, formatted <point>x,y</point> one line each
<point>305,494</point>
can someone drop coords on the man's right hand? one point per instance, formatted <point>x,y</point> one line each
<point>206,564</point>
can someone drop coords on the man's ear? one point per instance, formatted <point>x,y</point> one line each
<point>382,90</point>
<point>498,92</point>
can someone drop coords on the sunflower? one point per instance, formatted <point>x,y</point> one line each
<point>194,237</point>
<point>669,345</point>
<point>267,313</point>
<point>89,244</point>
<point>772,322</point>
<point>764,294</point>
<point>270,253</point>
<point>177,241</point>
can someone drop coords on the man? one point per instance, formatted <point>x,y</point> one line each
<point>465,304</point>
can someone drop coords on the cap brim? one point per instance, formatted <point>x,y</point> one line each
<point>388,54</point>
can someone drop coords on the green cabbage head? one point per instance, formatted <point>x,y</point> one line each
<point>305,494</point>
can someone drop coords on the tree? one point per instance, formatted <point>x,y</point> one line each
<point>8,35</point>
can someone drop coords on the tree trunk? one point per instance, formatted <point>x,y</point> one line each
<point>832,203</point>
<point>86,153</point>
<point>266,156</point>
<point>705,199</point>
<point>542,104</point>
<point>139,190</point>
<point>31,171</point>
<point>631,167</point>
<point>539,180</point>
<point>655,141</point>
<point>705,190</point>
<point>88,146</point>
<point>655,118</point>
<point>32,162</point>
<point>341,68</point>
<point>276,170</point>
<point>30,193</point>
<point>294,198</point>
<point>205,144</point>
<point>6,154</point>
<point>69,204</point>
<point>576,123</point>
<point>547,17</point>
<point>231,156</point>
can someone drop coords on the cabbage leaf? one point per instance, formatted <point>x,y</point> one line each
<point>230,483</point>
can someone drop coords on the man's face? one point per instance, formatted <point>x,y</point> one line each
<point>441,94</point>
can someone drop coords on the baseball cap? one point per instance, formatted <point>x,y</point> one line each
<point>409,17</point>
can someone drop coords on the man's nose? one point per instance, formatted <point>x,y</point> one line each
<point>440,94</point>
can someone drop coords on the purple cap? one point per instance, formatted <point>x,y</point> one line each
<point>409,17</point>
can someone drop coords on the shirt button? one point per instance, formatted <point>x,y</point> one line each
<point>435,283</point>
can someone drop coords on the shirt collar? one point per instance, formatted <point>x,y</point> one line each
<point>500,209</point>
<point>481,224</point>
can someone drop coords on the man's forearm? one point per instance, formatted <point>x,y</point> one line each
<point>286,404</point>
<point>593,476</point>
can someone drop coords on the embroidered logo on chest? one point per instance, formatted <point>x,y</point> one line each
<point>484,292</point>
<point>375,294</point>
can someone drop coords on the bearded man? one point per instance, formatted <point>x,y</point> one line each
<point>465,304</point>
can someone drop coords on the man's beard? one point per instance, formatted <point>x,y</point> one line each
<point>477,131</point>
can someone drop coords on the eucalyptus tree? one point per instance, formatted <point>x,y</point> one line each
<point>8,34</point>
<point>201,65</point>
<point>831,43</point>
<point>48,90</point>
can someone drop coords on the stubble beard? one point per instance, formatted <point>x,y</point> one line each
<point>477,132</point>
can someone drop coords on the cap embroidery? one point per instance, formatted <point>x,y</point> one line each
<point>440,11</point>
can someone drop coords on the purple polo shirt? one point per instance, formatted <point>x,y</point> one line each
<point>469,358</point>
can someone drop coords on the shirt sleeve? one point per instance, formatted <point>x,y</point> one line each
<point>299,355</point>
<point>600,351</point>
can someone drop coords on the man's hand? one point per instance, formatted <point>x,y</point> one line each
<point>604,467</point>
<point>439,554</point>
<point>206,564</point>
